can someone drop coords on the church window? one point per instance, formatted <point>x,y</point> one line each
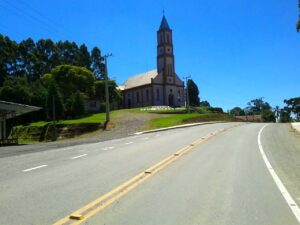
<point>168,39</point>
<point>147,95</point>
<point>161,39</point>
<point>137,97</point>
<point>157,94</point>
<point>178,95</point>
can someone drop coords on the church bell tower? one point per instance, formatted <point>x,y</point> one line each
<point>165,55</point>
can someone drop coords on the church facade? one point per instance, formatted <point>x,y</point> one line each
<point>158,87</point>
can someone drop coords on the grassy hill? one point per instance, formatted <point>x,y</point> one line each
<point>126,121</point>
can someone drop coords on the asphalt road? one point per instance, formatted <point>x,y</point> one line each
<point>221,181</point>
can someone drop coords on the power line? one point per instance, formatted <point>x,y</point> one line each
<point>20,12</point>
<point>47,19</point>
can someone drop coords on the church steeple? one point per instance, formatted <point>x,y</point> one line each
<point>165,56</point>
<point>164,24</point>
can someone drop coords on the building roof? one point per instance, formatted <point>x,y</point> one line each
<point>11,109</point>
<point>139,80</point>
<point>164,24</point>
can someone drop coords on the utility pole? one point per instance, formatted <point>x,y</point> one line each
<point>298,24</point>
<point>187,94</point>
<point>53,115</point>
<point>106,88</point>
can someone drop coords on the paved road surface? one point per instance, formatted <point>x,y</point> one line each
<point>222,181</point>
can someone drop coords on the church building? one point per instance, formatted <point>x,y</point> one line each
<point>158,87</point>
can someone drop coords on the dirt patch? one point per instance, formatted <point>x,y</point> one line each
<point>123,125</point>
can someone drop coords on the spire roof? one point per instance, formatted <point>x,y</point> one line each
<point>164,24</point>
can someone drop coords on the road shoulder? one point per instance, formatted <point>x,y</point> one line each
<point>282,147</point>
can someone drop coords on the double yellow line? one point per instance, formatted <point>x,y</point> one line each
<point>99,204</point>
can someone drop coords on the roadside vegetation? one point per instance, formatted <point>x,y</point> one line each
<point>180,119</point>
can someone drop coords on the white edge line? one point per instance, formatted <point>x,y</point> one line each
<point>128,143</point>
<point>78,156</point>
<point>288,198</point>
<point>34,168</point>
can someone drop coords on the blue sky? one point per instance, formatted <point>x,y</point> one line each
<point>235,50</point>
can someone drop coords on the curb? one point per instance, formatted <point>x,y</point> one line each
<point>177,127</point>
<point>296,126</point>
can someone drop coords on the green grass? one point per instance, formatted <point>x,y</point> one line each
<point>94,118</point>
<point>185,118</point>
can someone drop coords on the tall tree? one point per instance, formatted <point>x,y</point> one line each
<point>97,65</point>
<point>8,58</point>
<point>193,90</point>
<point>46,52</point>
<point>54,96</point>
<point>28,58</point>
<point>84,57</point>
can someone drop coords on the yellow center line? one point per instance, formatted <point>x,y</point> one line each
<point>102,202</point>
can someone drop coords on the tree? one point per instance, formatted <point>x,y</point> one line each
<point>8,58</point>
<point>237,111</point>
<point>194,99</point>
<point>78,105</point>
<point>71,79</point>
<point>257,106</point>
<point>84,57</point>
<point>46,52</point>
<point>17,90</point>
<point>97,65</point>
<point>114,94</point>
<point>260,107</point>
<point>54,96</point>
<point>28,59</point>
<point>204,104</point>
<point>268,116</point>
<point>285,116</point>
<point>293,106</point>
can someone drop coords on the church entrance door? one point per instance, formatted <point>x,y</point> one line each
<point>171,100</point>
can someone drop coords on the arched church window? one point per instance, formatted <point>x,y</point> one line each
<point>157,94</point>
<point>161,39</point>
<point>168,39</point>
